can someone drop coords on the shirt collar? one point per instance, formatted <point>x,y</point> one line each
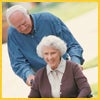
<point>34,22</point>
<point>60,68</point>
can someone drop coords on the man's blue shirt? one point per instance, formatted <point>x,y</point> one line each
<point>22,48</point>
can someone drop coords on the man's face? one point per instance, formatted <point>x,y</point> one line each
<point>22,23</point>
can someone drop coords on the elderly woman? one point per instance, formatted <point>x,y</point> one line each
<point>60,78</point>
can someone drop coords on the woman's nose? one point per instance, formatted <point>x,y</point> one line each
<point>49,56</point>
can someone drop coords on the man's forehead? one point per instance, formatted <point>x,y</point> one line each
<point>17,18</point>
<point>16,13</point>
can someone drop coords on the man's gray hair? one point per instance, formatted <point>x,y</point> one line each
<point>51,41</point>
<point>14,8</point>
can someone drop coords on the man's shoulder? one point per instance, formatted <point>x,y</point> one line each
<point>11,30</point>
<point>41,15</point>
<point>12,33</point>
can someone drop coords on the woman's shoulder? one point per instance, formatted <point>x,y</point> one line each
<point>72,65</point>
<point>41,71</point>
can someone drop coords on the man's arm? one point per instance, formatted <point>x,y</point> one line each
<point>74,50</point>
<point>18,62</point>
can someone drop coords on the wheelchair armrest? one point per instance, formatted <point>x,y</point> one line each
<point>90,95</point>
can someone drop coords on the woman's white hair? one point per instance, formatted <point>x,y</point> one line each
<point>51,41</point>
<point>14,8</point>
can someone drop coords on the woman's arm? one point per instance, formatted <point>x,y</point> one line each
<point>82,83</point>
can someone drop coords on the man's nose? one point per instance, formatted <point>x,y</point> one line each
<point>22,27</point>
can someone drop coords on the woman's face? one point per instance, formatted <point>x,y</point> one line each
<point>51,56</point>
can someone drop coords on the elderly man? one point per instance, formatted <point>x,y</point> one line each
<point>26,31</point>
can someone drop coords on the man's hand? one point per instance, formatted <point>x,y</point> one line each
<point>29,79</point>
<point>80,67</point>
